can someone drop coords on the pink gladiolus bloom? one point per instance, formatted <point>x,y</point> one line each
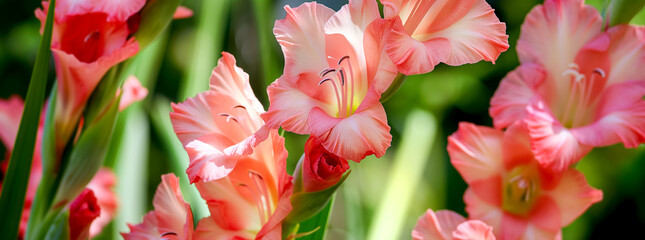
<point>509,190</point>
<point>221,126</point>
<point>320,168</point>
<point>335,71</point>
<point>102,184</point>
<point>82,212</point>
<point>133,91</point>
<point>427,32</point>
<point>89,37</point>
<point>448,225</point>
<point>171,218</point>
<point>578,86</point>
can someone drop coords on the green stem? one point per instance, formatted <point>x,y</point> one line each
<point>396,84</point>
<point>14,187</point>
<point>263,23</point>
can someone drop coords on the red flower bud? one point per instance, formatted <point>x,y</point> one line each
<point>83,210</point>
<point>320,168</point>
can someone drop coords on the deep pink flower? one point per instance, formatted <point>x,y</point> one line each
<point>320,168</point>
<point>221,126</point>
<point>578,86</point>
<point>171,217</point>
<point>448,225</point>
<point>335,71</point>
<point>427,32</point>
<point>509,190</point>
<point>89,37</point>
<point>82,212</point>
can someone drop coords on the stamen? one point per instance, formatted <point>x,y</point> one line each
<point>342,77</point>
<point>574,66</point>
<point>239,106</point>
<point>228,117</point>
<point>169,233</point>
<point>600,72</point>
<point>263,193</point>
<point>326,71</point>
<point>324,80</point>
<point>341,59</point>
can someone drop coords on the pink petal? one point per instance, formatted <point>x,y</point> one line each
<point>10,114</point>
<point>553,33</point>
<point>513,227</point>
<point>473,230</point>
<point>103,187</point>
<point>480,210</point>
<point>517,146</point>
<point>351,21</point>
<point>207,229</point>
<point>133,92</point>
<point>301,36</point>
<point>229,209</point>
<point>488,190</point>
<point>147,230</point>
<point>554,146</point>
<point>439,225</point>
<point>468,30</point>
<point>173,213</point>
<point>117,10</point>
<point>621,117</point>
<point>573,196</point>
<point>476,151</point>
<point>364,133</point>
<point>207,163</point>
<point>182,12</point>
<point>228,78</point>
<point>380,68</point>
<point>514,93</point>
<point>545,215</point>
<point>626,53</point>
<point>289,107</point>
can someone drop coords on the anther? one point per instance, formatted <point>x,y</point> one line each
<point>239,106</point>
<point>600,72</point>
<point>326,71</point>
<point>342,77</point>
<point>228,117</point>
<point>324,80</point>
<point>341,59</point>
<point>168,234</point>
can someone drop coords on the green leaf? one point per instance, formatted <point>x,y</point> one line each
<point>59,228</point>
<point>15,181</point>
<point>264,25</point>
<point>622,11</point>
<point>307,204</point>
<point>317,223</point>
<point>396,84</point>
<point>155,17</point>
<point>87,156</point>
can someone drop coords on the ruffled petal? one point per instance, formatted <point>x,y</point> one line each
<point>554,146</point>
<point>476,151</point>
<point>439,225</point>
<point>229,209</point>
<point>102,185</point>
<point>473,230</point>
<point>517,146</point>
<point>117,10</point>
<point>545,215</point>
<point>10,114</point>
<point>573,196</point>
<point>147,230</point>
<point>207,163</point>
<point>173,213</point>
<point>363,133</point>
<point>380,68</point>
<point>480,210</point>
<point>289,107</point>
<point>414,57</point>
<point>229,79</point>
<point>301,36</point>
<point>514,94</point>
<point>133,92</point>
<point>208,229</point>
<point>621,113</point>
<point>626,53</point>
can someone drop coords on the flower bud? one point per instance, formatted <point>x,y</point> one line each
<point>83,210</point>
<point>320,168</point>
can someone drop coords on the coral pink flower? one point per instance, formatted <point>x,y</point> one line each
<point>578,87</point>
<point>509,190</point>
<point>89,37</point>
<point>447,225</point>
<point>82,212</point>
<point>171,217</point>
<point>320,168</point>
<point>335,71</point>
<point>427,32</point>
<point>133,91</point>
<point>220,126</point>
<point>102,184</point>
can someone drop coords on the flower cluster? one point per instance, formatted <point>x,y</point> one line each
<point>338,65</point>
<point>578,86</point>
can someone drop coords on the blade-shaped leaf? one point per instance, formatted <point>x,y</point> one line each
<point>622,11</point>
<point>15,181</point>
<point>318,224</point>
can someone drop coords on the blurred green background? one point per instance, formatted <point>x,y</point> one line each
<point>382,198</point>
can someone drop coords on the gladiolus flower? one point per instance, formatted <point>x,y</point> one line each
<point>102,184</point>
<point>578,87</point>
<point>335,71</point>
<point>82,212</point>
<point>427,32</point>
<point>320,168</point>
<point>171,217</point>
<point>509,190</point>
<point>221,126</point>
<point>448,225</point>
<point>89,37</point>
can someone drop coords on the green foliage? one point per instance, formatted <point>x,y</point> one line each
<point>622,11</point>
<point>155,17</point>
<point>15,182</point>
